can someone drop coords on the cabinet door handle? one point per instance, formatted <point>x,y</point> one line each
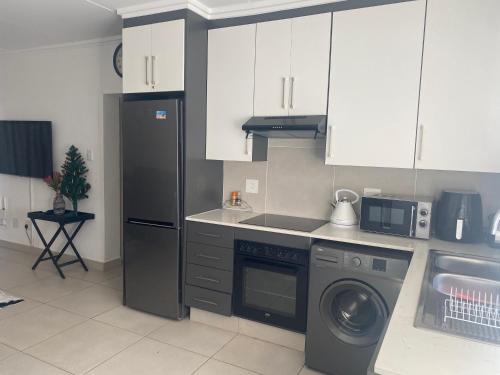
<point>153,66</point>
<point>284,102</point>
<point>330,139</point>
<point>206,301</point>
<point>201,255</point>
<point>147,70</point>
<point>420,142</point>
<point>208,279</point>
<point>209,235</point>
<point>292,97</point>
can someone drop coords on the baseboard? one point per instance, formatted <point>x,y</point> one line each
<point>92,264</point>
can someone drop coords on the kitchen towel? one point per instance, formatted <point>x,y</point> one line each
<point>7,299</point>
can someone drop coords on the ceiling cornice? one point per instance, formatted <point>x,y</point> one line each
<point>237,10</point>
<point>162,6</point>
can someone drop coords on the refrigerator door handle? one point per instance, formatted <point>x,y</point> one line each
<point>150,223</point>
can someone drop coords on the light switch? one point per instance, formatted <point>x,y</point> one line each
<point>90,154</point>
<point>252,186</point>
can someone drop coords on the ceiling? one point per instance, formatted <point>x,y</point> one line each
<point>26,24</point>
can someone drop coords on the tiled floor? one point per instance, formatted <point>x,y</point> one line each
<point>79,326</point>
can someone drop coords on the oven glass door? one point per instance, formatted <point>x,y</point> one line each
<point>271,292</point>
<point>388,216</point>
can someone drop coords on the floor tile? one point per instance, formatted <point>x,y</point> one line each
<point>50,288</point>
<point>90,302</point>
<point>13,274</point>
<point>83,347</point>
<point>213,367</point>
<point>22,364</point>
<point>132,320</point>
<point>34,326</point>
<point>261,357</point>
<point>76,271</point>
<point>18,308</point>
<point>115,283</point>
<point>193,336</point>
<point>19,257</point>
<point>5,351</point>
<point>264,332</point>
<point>308,371</point>
<point>152,358</point>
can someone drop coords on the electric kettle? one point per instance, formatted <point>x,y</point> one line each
<point>494,235</point>
<point>343,212</point>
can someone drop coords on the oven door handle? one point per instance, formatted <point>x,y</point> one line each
<point>245,260</point>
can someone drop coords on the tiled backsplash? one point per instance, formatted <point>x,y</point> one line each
<point>296,181</point>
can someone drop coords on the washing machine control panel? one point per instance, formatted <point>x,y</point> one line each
<point>365,262</point>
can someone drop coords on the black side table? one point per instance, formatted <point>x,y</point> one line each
<point>67,218</point>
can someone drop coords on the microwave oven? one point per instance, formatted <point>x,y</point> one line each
<point>400,216</point>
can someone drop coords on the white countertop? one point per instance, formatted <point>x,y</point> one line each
<point>405,350</point>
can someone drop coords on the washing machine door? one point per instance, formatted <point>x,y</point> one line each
<point>354,312</point>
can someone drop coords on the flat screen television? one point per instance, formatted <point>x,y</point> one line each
<point>26,148</point>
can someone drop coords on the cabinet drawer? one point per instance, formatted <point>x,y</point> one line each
<point>208,300</point>
<point>210,256</point>
<point>211,234</point>
<point>209,278</point>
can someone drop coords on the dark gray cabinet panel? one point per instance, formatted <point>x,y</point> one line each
<point>210,278</point>
<point>209,300</point>
<point>210,234</point>
<point>210,256</point>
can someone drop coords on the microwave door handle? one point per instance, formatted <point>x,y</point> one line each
<point>412,220</point>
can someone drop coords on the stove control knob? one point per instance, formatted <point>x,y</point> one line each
<point>424,212</point>
<point>356,262</point>
<point>422,223</point>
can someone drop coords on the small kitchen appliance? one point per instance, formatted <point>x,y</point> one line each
<point>460,216</point>
<point>343,211</point>
<point>400,216</point>
<point>494,235</point>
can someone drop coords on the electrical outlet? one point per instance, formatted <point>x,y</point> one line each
<point>369,192</point>
<point>252,186</point>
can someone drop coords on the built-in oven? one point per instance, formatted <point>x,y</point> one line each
<point>271,283</point>
<point>400,216</point>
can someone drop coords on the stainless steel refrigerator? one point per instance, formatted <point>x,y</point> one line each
<point>152,172</point>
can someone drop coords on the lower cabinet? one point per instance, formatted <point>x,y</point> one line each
<point>209,269</point>
<point>208,300</point>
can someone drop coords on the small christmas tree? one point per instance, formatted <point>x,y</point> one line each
<point>74,184</point>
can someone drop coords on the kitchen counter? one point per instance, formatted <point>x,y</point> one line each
<point>405,350</point>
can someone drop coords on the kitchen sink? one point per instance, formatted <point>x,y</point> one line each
<point>460,295</point>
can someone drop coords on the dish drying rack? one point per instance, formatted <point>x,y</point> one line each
<point>474,307</point>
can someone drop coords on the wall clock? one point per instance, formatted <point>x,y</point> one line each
<point>117,60</point>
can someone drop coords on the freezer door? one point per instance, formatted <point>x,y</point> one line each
<point>151,185</point>
<point>151,269</point>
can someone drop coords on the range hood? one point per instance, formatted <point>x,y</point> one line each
<point>287,126</point>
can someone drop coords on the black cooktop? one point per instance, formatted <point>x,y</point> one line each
<point>301,224</point>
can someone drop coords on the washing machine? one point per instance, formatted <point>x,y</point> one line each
<point>352,293</point>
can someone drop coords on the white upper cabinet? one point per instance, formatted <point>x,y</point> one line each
<point>137,59</point>
<point>167,54</point>
<point>459,122</point>
<point>310,64</point>
<point>272,68</point>
<point>374,85</point>
<point>230,85</point>
<point>292,63</point>
<point>153,57</point>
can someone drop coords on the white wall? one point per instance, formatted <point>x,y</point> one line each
<point>64,85</point>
